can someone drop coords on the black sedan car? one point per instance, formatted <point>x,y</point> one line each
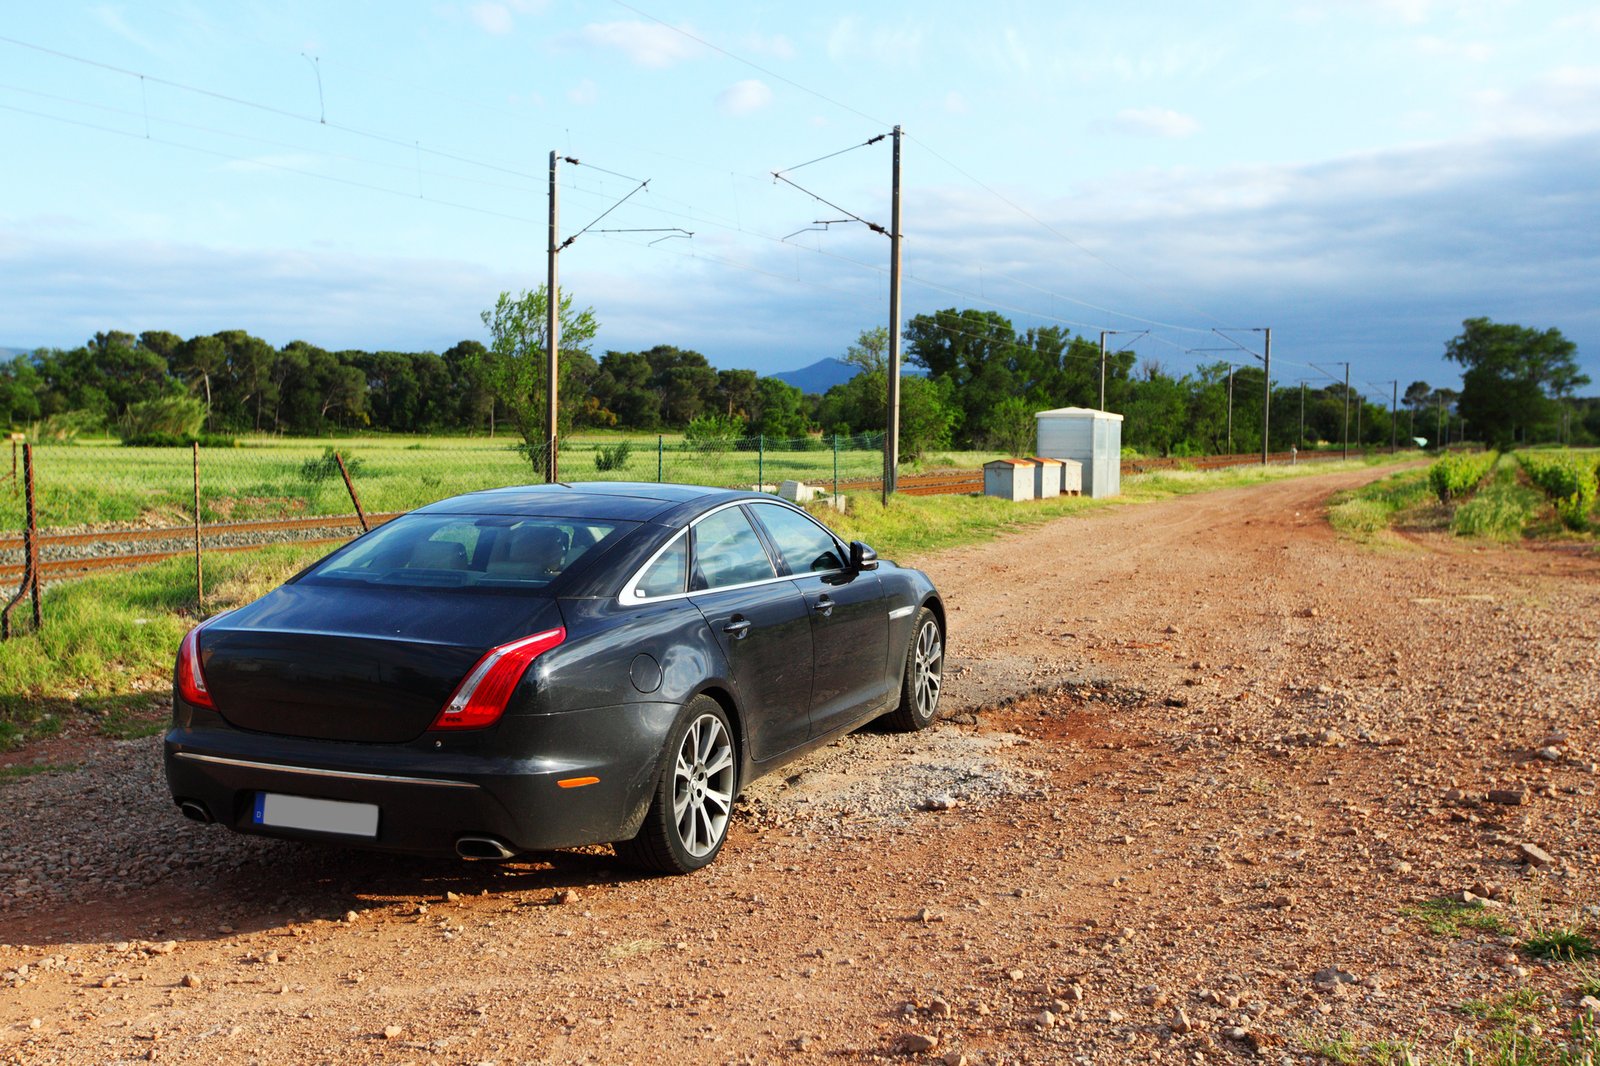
<point>544,667</point>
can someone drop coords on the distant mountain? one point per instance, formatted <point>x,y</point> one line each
<point>8,353</point>
<point>819,377</point>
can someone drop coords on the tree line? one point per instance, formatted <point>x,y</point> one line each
<point>982,381</point>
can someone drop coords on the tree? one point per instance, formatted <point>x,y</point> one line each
<point>1512,374</point>
<point>513,366</point>
<point>778,409</point>
<point>870,353</point>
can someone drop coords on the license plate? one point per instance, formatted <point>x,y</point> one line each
<point>318,815</point>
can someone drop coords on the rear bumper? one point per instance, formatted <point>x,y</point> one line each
<point>502,784</point>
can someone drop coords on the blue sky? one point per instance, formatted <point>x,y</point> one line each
<point>1360,175</point>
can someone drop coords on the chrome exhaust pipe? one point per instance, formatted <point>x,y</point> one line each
<point>195,811</point>
<point>482,848</point>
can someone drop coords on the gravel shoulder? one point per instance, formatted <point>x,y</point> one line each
<point>1204,766</point>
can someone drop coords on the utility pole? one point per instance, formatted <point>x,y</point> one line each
<point>1231,369</point>
<point>1302,437</point>
<point>1346,452</point>
<point>891,439</point>
<point>1102,370</point>
<point>1266,399</point>
<point>552,328</point>
<point>1394,416</point>
<point>1103,335</point>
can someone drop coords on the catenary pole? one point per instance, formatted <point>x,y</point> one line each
<point>552,327</point>
<point>1346,452</point>
<point>1266,400</point>
<point>1102,370</point>
<point>891,436</point>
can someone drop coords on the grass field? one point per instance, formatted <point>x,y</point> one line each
<point>1505,507</point>
<point>105,652</point>
<point>84,482</point>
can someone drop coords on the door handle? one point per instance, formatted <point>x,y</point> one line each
<point>824,604</point>
<point>737,628</point>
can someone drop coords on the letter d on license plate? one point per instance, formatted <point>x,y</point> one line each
<point>317,815</point>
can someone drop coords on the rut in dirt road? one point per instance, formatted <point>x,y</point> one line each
<point>1207,774</point>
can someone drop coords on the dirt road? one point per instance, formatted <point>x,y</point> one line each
<point>1207,766</point>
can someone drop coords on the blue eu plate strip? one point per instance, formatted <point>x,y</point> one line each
<point>261,807</point>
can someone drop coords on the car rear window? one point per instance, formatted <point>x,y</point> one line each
<point>467,551</point>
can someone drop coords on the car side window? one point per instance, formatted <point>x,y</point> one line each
<point>728,552</point>
<point>806,546</point>
<point>664,576</point>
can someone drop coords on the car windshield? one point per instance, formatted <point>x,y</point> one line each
<point>466,551</point>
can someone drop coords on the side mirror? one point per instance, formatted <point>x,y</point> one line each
<point>862,557</point>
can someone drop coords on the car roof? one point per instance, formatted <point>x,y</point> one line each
<point>636,501</point>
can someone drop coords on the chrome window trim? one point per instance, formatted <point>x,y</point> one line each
<point>312,771</point>
<point>629,597</point>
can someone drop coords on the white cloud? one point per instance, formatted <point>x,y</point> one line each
<point>647,44</point>
<point>1153,122</point>
<point>111,18</point>
<point>851,40</point>
<point>584,93</point>
<point>744,97</point>
<point>492,18</point>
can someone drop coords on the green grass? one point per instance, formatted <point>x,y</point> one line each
<point>87,482</point>
<point>1511,1007</point>
<point>1588,981</point>
<point>914,524</point>
<point>17,773</point>
<point>1560,944</point>
<point>106,648</point>
<point>1369,511</point>
<point>1341,1048</point>
<point>1503,507</point>
<point>1444,917</point>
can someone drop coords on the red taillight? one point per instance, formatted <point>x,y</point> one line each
<point>482,697</point>
<point>191,678</point>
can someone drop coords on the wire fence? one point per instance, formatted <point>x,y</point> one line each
<point>92,484</point>
<point>98,505</point>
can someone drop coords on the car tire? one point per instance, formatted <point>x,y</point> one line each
<point>923,680</point>
<point>689,815</point>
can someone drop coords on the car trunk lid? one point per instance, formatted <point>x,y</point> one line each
<point>335,662</point>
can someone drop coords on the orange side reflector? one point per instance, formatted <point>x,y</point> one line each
<point>577,782</point>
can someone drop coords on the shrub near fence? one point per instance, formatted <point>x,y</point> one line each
<point>1458,474</point>
<point>1569,479</point>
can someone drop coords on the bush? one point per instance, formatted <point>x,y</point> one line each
<point>1458,474</point>
<point>710,435</point>
<point>1568,479</point>
<point>68,425</point>
<point>613,458</point>
<point>326,467</point>
<point>169,416</point>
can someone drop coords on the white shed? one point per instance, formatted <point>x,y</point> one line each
<point>1093,438</point>
<point>1009,479</point>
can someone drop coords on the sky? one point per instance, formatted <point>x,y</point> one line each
<point>1358,175</point>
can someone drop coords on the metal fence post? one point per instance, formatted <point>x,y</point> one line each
<point>361,515</point>
<point>30,553</point>
<point>199,574</point>
<point>761,462</point>
<point>836,467</point>
<point>661,449</point>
